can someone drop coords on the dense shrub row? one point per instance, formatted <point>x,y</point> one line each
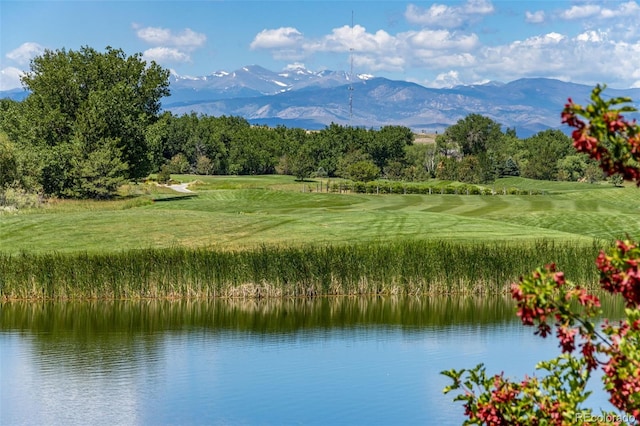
<point>392,187</point>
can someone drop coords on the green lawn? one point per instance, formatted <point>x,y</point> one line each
<point>244,212</point>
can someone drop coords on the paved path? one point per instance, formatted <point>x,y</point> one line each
<point>180,188</point>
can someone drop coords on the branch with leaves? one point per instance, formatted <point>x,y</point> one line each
<point>553,305</point>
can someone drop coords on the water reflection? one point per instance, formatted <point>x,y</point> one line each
<point>305,361</point>
<point>85,320</point>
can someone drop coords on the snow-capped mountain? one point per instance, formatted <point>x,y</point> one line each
<point>298,97</point>
<point>252,81</point>
<point>302,98</point>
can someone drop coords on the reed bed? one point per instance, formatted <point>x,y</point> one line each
<point>407,267</point>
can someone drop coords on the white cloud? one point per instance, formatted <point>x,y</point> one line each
<point>596,54</point>
<point>591,36</point>
<point>535,17</point>
<point>284,37</point>
<point>165,37</point>
<point>379,63</point>
<point>166,54</point>
<point>25,52</point>
<point>442,40</point>
<point>440,15</point>
<point>626,10</point>
<point>10,78</point>
<point>446,80</point>
<point>581,12</point>
<point>345,38</point>
<point>294,66</point>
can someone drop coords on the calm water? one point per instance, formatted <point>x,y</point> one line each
<point>351,361</point>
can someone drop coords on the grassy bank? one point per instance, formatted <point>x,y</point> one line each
<point>268,235</point>
<point>239,213</point>
<point>392,267</point>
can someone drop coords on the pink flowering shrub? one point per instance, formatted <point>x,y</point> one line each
<point>547,301</point>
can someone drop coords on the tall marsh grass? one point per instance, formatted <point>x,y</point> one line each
<point>397,267</point>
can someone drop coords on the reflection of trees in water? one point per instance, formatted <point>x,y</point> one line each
<point>106,320</point>
<point>104,337</point>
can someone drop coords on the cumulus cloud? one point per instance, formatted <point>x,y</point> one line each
<point>345,38</point>
<point>279,38</point>
<point>581,12</point>
<point>441,40</point>
<point>25,52</point>
<point>440,15</point>
<point>170,46</point>
<point>10,78</point>
<point>535,17</point>
<point>629,9</point>
<point>165,37</point>
<point>446,80</point>
<point>605,53</point>
<point>166,54</point>
<point>592,36</point>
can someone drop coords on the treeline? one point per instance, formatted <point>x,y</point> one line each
<point>93,121</point>
<point>230,145</point>
<point>474,150</point>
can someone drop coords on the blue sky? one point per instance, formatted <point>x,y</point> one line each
<point>436,44</point>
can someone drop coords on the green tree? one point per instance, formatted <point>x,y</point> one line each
<point>510,168</point>
<point>204,165</point>
<point>302,164</point>
<point>447,169</point>
<point>178,164</point>
<point>85,101</point>
<point>363,171</point>
<point>388,145</point>
<point>572,167</point>
<point>473,134</point>
<point>470,170</point>
<point>544,149</point>
<point>424,160</point>
<point>8,162</point>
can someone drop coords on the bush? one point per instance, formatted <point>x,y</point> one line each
<point>363,171</point>
<point>163,175</point>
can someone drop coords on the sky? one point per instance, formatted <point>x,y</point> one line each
<point>435,44</point>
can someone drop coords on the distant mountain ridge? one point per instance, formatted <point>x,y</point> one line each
<point>298,97</point>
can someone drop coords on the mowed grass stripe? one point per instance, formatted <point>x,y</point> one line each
<point>260,212</point>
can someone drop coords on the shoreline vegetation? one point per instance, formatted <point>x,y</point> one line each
<point>403,267</point>
<point>258,237</point>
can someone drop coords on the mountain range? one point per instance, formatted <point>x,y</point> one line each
<point>298,97</point>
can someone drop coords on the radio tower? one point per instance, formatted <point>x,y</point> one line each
<point>351,75</point>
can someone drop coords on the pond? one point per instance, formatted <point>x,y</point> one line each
<point>343,361</point>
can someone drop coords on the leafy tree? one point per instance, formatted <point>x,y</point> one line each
<point>164,175</point>
<point>447,169</point>
<point>510,168</point>
<point>470,170</point>
<point>302,165</point>
<point>424,158</point>
<point>363,171</point>
<point>204,165</point>
<point>179,164</point>
<point>473,134</point>
<point>85,101</point>
<point>388,145</point>
<point>572,167</point>
<point>8,162</point>
<point>541,147</point>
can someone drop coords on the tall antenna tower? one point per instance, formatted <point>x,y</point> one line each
<point>351,75</point>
